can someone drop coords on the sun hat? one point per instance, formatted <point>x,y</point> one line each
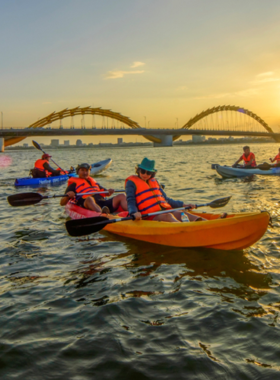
<point>84,165</point>
<point>45,155</point>
<point>148,165</point>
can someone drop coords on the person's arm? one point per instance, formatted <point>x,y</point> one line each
<point>71,193</point>
<point>274,159</point>
<point>237,162</point>
<point>49,168</point>
<point>130,190</point>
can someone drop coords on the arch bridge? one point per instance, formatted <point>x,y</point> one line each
<point>224,118</point>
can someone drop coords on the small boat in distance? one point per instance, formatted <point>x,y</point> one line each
<point>230,172</point>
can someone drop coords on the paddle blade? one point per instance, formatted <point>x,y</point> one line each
<point>221,202</point>
<point>24,199</point>
<point>81,227</point>
<point>37,146</point>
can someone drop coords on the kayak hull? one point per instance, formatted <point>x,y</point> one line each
<point>96,168</point>
<point>229,172</point>
<point>100,166</point>
<point>236,232</point>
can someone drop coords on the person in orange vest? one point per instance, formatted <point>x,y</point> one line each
<point>276,158</point>
<point>248,158</point>
<point>42,168</point>
<point>144,195</point>
<point>86,184</point>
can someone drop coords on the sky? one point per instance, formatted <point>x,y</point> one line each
<point>155,61</point>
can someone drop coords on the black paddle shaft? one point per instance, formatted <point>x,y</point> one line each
<point>88,226</point>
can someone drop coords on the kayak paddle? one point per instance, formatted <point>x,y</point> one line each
<point>87,226</point>
<point>37,146</point>
<point>27,199</point>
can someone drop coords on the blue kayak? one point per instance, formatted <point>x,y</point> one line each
<point>29,181</point>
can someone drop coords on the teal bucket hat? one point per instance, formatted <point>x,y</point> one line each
<point>148,165</point>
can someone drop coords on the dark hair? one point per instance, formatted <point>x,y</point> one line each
<point>137,171</point>
<point>246,147</point>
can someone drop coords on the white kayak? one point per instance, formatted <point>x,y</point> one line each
<point>229,172</point>
<point>98,167</point>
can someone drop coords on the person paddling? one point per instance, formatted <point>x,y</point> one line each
<point>144,195</point>
<point>248,158</point>
<point>42,168</point>
<point>276,158</point>
<point>86,184</point>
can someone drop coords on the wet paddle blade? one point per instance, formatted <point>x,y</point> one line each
<point>81,227</point>
<point>24,199</point>
<point>37,146</point>
<point>221,202</point>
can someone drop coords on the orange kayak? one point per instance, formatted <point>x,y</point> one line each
<point>235,232</point>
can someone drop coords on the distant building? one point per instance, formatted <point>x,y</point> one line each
<point>79,142</point>
<point>120,140</point>
<point>66,142</point>
<point>54,143</point>
<point>25,145</point>
<point>198,138</point>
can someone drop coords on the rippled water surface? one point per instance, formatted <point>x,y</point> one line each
<point>114,308</point>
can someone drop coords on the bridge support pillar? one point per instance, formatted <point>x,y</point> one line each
<point>166,140</point>
<point>2,144</point>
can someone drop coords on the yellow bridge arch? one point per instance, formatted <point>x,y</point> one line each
<point>210,111</point>
<point>54,116</point>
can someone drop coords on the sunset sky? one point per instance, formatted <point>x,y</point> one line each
<point>158,59</point>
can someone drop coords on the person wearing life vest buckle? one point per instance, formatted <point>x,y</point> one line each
<point>277,159</point>
<point>144,196</point>
<point>86,184</point>
<point>248,158</point>
<point>42,168</point>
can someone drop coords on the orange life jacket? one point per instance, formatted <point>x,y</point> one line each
<point>249,158</point>
<point>85,186</point>
<point>39,165</point>
<point>277,158</point>
<point>148,195</point>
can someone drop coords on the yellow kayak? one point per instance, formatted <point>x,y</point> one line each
<point>237,231</point>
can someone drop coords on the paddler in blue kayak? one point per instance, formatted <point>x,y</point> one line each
<point>144,195</point>
<point>42,168</point>
<point>86,184</point>
<point>276,158</point>
<point>248,158</point>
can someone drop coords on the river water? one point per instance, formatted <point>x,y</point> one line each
<point>113,308</point>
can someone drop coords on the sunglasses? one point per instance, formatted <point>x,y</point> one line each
<point>143,171</point>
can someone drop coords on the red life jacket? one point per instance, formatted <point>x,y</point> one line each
<point>39,165</point>
<point>85,186</point>
<point>277,158</point>
<point>148,195</point>
<point>249,158</point>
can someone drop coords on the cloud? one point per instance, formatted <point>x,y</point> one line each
<point>243,93</point>
<point>181,88</point>
<point>268,73</point>
<point>265,80</point>
<point>137,64</point>
<point>121,74</point>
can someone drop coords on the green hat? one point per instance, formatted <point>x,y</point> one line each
<point>148,165</point>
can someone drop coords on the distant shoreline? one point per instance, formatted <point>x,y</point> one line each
<point>150,145</point>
